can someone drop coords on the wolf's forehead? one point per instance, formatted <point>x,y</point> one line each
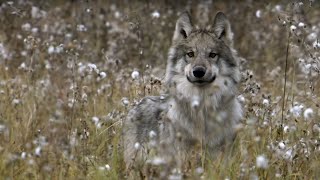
<point>203,40</point>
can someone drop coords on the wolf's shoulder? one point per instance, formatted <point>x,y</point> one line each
<point>149,108</point>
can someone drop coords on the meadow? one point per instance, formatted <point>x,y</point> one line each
<point>71,70</point>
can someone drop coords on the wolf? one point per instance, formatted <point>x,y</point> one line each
<point>200,108</point>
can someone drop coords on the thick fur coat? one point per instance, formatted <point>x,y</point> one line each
<point>200,108</point>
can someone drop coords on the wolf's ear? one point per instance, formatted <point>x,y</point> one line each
<point>183,27</point>
<point>222,28</point>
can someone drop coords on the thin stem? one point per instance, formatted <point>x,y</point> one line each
<point>285,83</point>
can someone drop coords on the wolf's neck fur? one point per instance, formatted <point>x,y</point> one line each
<point>197,116</point>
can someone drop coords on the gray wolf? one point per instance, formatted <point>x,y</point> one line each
<point>200,107</point>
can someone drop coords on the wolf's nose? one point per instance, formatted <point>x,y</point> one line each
<point>199,71</point>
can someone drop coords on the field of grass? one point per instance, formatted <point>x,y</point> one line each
<point>71,70</point>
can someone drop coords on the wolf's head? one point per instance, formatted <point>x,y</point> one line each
<point>202,61</point>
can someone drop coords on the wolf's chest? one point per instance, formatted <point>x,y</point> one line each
<point>201,125</point>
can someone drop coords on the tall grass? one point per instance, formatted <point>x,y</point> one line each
<point>66,85</point>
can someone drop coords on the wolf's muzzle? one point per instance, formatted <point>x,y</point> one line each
<point>200,77</point>
<point>199,71</point>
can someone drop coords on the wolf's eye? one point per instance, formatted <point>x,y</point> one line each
<point>212,55</point>
<point>190,54</point>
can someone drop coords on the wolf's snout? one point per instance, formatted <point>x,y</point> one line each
<point>199,71</point>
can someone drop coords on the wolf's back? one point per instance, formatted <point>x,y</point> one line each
<point>141,120</point>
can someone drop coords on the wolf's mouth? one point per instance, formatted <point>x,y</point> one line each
<point>201,82</point>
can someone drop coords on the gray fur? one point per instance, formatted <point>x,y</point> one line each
<point>196,111</point>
